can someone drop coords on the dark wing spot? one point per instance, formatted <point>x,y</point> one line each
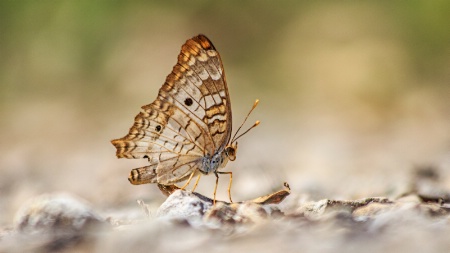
<point>188,101</point>
<point>158,128</point>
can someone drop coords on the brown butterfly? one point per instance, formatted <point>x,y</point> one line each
<point>186,131</point>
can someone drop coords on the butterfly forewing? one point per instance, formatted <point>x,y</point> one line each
<point>190,118</point>
<point>197,85</point>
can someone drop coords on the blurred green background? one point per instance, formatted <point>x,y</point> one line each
<point>355,95</point>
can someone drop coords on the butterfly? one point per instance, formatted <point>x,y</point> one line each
<point>186,131</point>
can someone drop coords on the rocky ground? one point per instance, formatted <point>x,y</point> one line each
<point>354,111</point>
<point>284,221</point>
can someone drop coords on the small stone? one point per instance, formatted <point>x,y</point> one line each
<point>184,205</point>
<point>54,213</point>
<point>370,210</point>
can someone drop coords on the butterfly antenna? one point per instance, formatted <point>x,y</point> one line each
<point>254,125</point>
<point>257,122</point>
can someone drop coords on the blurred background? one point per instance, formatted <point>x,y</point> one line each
<point>355,96</point>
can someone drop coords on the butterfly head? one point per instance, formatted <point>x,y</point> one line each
<point>231,151</point>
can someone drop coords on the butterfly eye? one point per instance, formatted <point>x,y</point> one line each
<point>231,153</point>
<point>188,101</point>
<point>158,128</point>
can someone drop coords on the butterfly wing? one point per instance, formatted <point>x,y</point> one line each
<point>204,72</point>
<point>190,118</point>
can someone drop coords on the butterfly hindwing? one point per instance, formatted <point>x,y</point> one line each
<point>144,175</point>
<point>151,134</point>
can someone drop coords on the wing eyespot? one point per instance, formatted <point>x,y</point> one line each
<point>158,128</point>
<point>188,101</point>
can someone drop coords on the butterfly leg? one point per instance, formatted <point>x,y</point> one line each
<point>229,184</point>
<point>196,182</point>
<point>215,188</point>
<point>188,181</point>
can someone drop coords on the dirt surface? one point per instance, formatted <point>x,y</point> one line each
<point>190,222</point>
